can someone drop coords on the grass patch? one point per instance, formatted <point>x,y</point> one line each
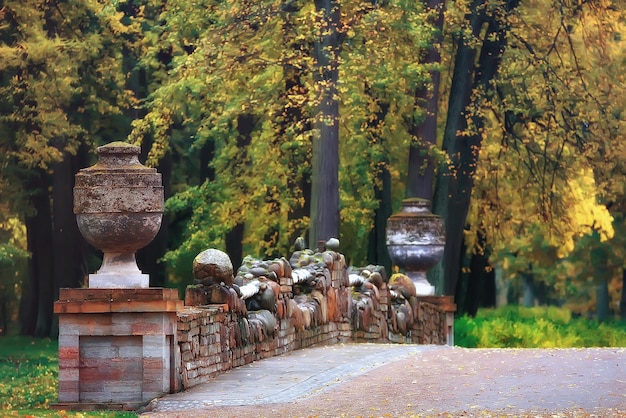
<point>29,370</point>
<point>537,327</point>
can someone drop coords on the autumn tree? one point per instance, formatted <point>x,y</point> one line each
<point>265,60</point>
<point>225,110</point>
<point>549,140</point>
<point>62,79</point>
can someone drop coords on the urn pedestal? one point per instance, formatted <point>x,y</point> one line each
<point>117,347</point>
<point>118,337</point>
<point>118,204</point>
<point>415,241</point>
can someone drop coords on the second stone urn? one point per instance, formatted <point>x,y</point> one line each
<point>118,204</point>
<point>415,241</point>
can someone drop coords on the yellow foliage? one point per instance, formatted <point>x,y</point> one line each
<point>552,154</point>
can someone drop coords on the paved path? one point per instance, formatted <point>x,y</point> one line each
<point>378,380</point>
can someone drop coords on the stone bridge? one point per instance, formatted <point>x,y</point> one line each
<point>122,343</point>
<point>121,348</point>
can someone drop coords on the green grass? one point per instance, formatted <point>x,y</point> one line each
<point>29,370</point>
<point>538,327</point>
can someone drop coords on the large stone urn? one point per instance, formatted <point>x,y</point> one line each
<point>118,204</point>
<point>415,241</point>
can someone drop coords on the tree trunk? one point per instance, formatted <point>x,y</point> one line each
<point>377,246</point>
<point>501,287</point>
<point>455,179</point>
<point>207,153</point>
<point>298,180</point>
<point>459,99</point>
<point>234,237</point>
<point>233,244</point>
<point>421,164</point>
<point>541,293</point>
<point>377,239</point>
<point>68,247</point>
<point>622,302</point>
<point>528,295</point>
<point>480,290</point>
<point>36,303</point>
<point>3,316</point>
<point>325,157</point>
<point>602,300</point>
<point>600,261</point>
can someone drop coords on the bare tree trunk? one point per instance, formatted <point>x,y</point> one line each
<point>36,303</point>
<point>622,302</point>
<point>480,289</point>
<point>3,316</point>
<point>325,158</point>
<point>528,295</point>
<point>421,165</point>
<point>459,99</point>
<point>377,245</point>
<point>298,180</point>
<point>600,261</point>
<point>234,237</point>
<point>233,243</point>
<point>68,247</point>
<point>602,300</point>
<point>455,181</point>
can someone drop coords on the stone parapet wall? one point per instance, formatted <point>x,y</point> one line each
<point>213,340</point>
<point>429,327</point>
<point>216,337</point>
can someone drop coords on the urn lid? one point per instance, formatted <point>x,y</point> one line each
<point>119,147</point>
<point>118,155</point>
<point>415,204</point>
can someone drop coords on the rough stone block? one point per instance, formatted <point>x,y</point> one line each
<point>69,375</point>
<point>69,390</point>
<point>155,346</point>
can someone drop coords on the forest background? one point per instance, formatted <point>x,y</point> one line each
<point>273,119</point>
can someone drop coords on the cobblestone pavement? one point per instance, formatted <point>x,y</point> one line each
<point>376,380</point>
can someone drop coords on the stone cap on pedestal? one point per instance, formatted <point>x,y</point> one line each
<point>88,300</point>
<point>444,302</point>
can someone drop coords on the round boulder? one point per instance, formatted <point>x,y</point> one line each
<point>213,267</point>
<point>332,244</point>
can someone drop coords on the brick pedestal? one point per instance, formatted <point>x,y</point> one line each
<point>447,305</point>
<point>117,347</point>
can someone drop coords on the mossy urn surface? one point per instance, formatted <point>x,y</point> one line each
<point>118,204</point>
<point>415,241</point>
